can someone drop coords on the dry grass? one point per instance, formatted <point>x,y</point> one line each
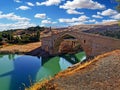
<point>20,48</point>
<point>84,65</point>
<point>38,86</point>
<point>43,85</point>
<point>76,78</point>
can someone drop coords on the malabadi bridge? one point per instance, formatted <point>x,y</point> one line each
<point>92,44</point>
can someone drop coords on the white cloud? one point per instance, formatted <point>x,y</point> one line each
<point>18,21</point>
<point>30,4</point>
<point>41,16</point>
<point>17,25</point>
<point>110,20</point>
<point>23,8</point>
<point>97,16</point>
<point>54,22</point>
<point>98,13</point>
<point>48,18</point>
<point>43,22</point>
<point>18,1</point>
<point>1,12</point>
<point>63,20</point>
<point>83,22</point>
<point>81,19</point>
<point>92,21</point>
<point>106,21</point>
<point>78,4</point>
<point>108,12</point>
<point>50,2</point>
<point>72,11</point>
<point>38,3</point>
<point>117,16</point>
<point>76,23</point>
<point>13,17</point>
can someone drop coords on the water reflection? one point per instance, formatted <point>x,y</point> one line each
<point>11,56</point>
<point>50,67</point>
<point>17,71</point>
<point>1,56</point>
<point>71,58</point>
<point>64,64</point>
<point>24,72</point>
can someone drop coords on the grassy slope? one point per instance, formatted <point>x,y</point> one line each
<point>102,73</point>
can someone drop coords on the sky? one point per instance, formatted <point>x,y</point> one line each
<point>17,14</point>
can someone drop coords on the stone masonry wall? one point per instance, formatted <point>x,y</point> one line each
<point>92,44</point>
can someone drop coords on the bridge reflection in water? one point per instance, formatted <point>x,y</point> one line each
<point>71,58</point>
<point>18,71</point>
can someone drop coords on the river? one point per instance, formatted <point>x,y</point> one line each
<point>20,71</point>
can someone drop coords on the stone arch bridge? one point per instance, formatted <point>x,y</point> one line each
<point>92,44</point>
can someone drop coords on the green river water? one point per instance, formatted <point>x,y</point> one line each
<point>20,71</point>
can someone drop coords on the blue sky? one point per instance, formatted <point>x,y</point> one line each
<point>15,14</point>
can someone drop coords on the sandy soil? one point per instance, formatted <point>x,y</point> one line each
<point>20,48</point>
<point>102,73</point>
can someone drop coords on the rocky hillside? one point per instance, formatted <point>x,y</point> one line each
<point>111,29</point>
<point>93,28</point>
<point>103,28</point>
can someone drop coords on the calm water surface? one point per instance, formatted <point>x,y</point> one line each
<point>20,71</point>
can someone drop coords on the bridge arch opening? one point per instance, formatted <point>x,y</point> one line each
<point>68,44</point>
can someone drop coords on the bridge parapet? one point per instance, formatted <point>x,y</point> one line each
<point>92,44</point>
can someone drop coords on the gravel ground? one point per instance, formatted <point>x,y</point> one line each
<point>102,73</point>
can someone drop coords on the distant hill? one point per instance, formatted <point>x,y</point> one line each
<point>104,27</point>
<point>96,27</point>
<point>111,29</point>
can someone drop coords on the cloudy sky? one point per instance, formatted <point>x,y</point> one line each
<point>16,14</point>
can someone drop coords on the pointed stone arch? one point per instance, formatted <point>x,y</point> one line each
<point>92,44</point>
<point>60,38</point>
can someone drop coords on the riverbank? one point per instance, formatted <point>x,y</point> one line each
<point>101,73</point>
<point>20,48</point>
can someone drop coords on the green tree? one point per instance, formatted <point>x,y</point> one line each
<point>0,38</point>
<point>17,40</point>
<point>25,38</point>
<point>10,37</point>
<point>38,35</point>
